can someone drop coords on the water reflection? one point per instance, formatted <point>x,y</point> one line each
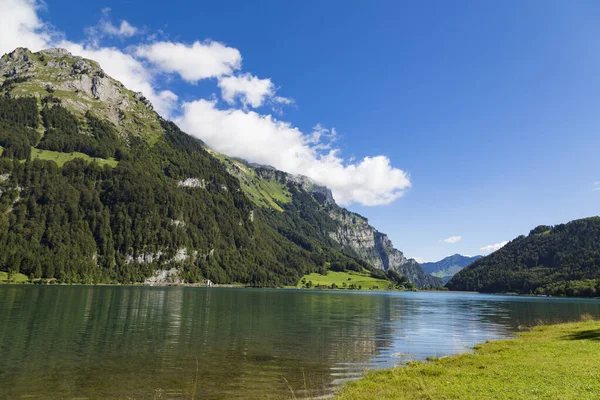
<point>173,343</point>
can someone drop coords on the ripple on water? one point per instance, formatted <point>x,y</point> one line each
<point>148,343</point>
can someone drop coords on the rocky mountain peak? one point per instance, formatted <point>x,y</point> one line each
<point>309,185</point>
<point>78,84</point>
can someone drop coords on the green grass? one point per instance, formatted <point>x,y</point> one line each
<point>363,280</point>
<point>18,278</point>
<point>266,193</point>
<point>262,192</point>
<point>61,158</point>
<point>550,362</point>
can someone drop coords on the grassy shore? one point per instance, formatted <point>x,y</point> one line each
<point>549,362</point>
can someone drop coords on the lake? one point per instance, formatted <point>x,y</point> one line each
<point>103,342</point>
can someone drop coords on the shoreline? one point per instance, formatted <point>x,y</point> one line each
<point>321,289</point>
<point>548,361</point>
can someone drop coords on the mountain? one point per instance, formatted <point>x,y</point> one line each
<point>299,207</point>
<point>449,266</point>
<point>561,260</point>
<point>96,187</point>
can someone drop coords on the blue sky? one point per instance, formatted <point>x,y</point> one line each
<point>489,108</point>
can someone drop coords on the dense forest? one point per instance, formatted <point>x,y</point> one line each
<point>90,223</point>
<point>64,134</point>
<point>561,260</point>
<point>19,120</point>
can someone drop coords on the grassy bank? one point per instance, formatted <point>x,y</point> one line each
<point>344,280</point>
<point>550,362</point>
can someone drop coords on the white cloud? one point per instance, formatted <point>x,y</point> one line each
<point>105,27</point>
<point>493,247</point>
<point>452,239</point>
<point>266,140</point>
<point>126,30</point>
<point>250,90</point>
<point>283,100</point>
<point>420,260</point>
<point>21,26</point>
<point>201,60</point>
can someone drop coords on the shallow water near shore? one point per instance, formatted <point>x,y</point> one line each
<point>87,342</point>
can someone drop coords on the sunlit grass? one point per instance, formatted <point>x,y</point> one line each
<point>339,278</point>
<point>61,158</point>
<point>550,362</point>
<point>262,192</point>
<point>17,278</point>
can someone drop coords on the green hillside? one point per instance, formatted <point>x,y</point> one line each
<point>85,223</point>
<point>561,260</point>
<point>262,192</point>
<point>154,199</point>
<point>96,187</point>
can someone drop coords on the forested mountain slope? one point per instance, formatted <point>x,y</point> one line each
<point>307,214</point>
<point>96,187</point>
<point>555,260</point>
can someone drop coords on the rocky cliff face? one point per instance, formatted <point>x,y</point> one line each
<point>376,248</point>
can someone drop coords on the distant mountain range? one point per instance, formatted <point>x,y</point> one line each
<point>446,268</point>
<point>560,260</point>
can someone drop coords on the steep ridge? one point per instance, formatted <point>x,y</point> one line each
<point>105,190</point>
<point>447,267</point>
<point>278,191</point>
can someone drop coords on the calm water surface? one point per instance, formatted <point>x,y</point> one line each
<point>182,343</point>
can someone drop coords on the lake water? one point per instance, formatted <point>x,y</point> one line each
<point>83,342</point>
